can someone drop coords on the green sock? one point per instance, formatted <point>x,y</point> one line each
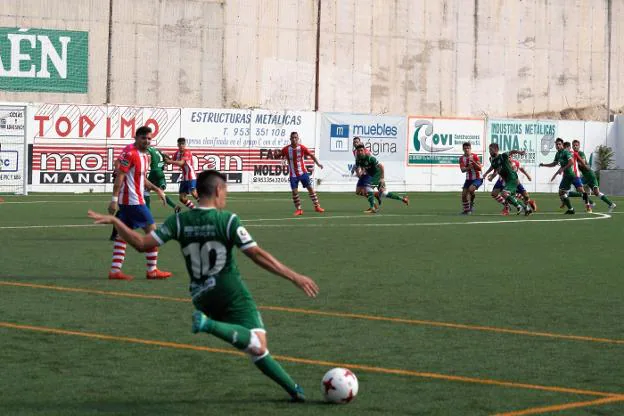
<point>606,199</point>
<point>371,199</point>
<point>148,200</point>
<point>574,194</point>
<point>170,202</point>
<point>393,195</point>
<point>236,335</point>
<point>567,203</point>
<point>273,370</point>
<point>512,200</point>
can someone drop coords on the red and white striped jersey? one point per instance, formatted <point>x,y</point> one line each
<point>515,164</point>
<point>188,173</point>
<point>471,173</point>
<point>575,158</point>
<point>135,165</point>
<point>295,156</point>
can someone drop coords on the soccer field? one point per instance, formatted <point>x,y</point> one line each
<point>436,313</point>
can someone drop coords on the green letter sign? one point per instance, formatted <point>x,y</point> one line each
<point>44,60</point>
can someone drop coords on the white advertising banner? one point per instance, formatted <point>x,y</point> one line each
<point>383,136</point>
<point>438,141</point>
<point>244,144</point>
<point>74,146</point>
<point>12,147</point>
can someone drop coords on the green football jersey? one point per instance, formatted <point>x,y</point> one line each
<point>563,157</point>
<point>157,159</point>
<point>369,164</point>
<point>502,164</point>
<point>581,155</point>
<point>207,237</point>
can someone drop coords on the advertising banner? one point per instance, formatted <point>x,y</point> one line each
<point>536,137</point>
<point>438,142</point>
<point>383,136</point>
<point>44,60</point>
<point>12,143</point>
<point>245,144</point>
<point>77,144</point>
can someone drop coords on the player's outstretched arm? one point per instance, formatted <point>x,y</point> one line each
<point>525,173</point>
<point>265,260</point>
<point>548,165</point>
<point>160,192</point>
<point>141,242</point>
<point>114,204</point>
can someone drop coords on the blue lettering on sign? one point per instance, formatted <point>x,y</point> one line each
<point>339,130</point>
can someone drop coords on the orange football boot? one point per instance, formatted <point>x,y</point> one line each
<point>157,275</point>
<point>119,276</point>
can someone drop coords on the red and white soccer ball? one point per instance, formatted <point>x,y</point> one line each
<point>339,385</point>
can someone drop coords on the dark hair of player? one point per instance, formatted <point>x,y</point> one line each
<point>466,144</point>
<point>360,146</point>
<point>293,132</point>
<point>575,141</point>
<point>181,140</point>
<point>142,131</point>
<point>357,138</point>
<point>559,140</point>
<point>207,182</point>
<point>567,144</point>
<point>494,146</point>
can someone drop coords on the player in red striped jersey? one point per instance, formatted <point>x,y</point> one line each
<point>183,158</point>
<point>295,154</point>
<point>128,198</point>
<point>469,164</point>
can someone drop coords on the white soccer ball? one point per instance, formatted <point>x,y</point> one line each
<point>339,385</point>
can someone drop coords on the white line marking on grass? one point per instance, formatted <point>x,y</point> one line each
<point>594,216</point>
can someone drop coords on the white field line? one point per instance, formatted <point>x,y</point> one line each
<point>594,216</point>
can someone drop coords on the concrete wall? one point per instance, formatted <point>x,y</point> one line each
<point>442,57</point>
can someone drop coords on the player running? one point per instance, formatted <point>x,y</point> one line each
<point>375,169</point>
<point>225,308</point>
<point>157,175</point>
<point>364,179</point>
<point>183,158</point>
<point>589,180</point>
<point>469,163</point>
<point>500,163</point>
<point>294,154</point>
<point>521,190</point>
<point>128,199</point>
<point>565,160</point>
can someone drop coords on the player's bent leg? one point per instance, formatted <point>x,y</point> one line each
<point>252,341</point>
<point>465,202</point>
<point>266,363</point>
<point>314,198</point>
<point>186,201</point>
<point>151,260</point>
<point>563,195</point>
<point>297,202</point>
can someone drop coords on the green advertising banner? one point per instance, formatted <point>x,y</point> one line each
<point>535,137</point>
<point>44,60</point>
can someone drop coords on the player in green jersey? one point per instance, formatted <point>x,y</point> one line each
<point>500,163</point>
<point>565,160</point>
<point>157,175</point>
<point>225,308</point>
<point>590,182</point>
<point>575,168</point>
<point>375,170</point>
